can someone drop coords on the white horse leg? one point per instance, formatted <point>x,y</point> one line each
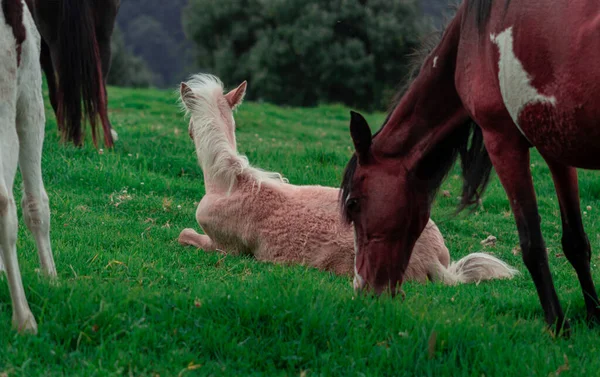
<point>30,128</point>
<point>23,319</point>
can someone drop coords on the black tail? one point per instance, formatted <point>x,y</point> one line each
<point>476,169</point>
<point>465,141</point>
<point>79,71</point>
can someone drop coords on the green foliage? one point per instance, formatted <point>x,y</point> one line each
<point>152,30</point>
<point>302,52</point>
<point>127,69</point>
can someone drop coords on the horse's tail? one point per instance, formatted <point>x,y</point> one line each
<point>474,268</point>
<point>80,73</point>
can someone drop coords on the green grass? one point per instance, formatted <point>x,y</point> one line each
<point>131,301</point>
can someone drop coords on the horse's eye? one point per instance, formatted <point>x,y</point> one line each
<point>352,206</point>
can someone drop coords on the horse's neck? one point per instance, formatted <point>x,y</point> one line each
<point>220,163</point>
<point>431,107</point>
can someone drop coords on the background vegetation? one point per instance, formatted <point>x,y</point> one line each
<point>303,52</point>
<point>294,52</point>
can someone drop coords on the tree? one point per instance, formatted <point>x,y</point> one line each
<point>302,52</point>
<point>127,69</point>
<point>153,31</point>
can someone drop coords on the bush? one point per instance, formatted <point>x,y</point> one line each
<point>127,69</point>
<point>302,52</point>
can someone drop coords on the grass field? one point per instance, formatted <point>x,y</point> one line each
<point>130,301</point>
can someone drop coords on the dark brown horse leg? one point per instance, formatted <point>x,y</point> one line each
<point>105,59</point>
<point>48,67</point>
<point>511,161</point>
<point>575,243</point>
<point>105,22</point>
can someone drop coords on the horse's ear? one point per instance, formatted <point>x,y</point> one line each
<point>361,135</point>
<point>235,97</point>
<point>186,94</point>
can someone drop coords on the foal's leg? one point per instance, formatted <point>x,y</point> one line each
<point>510,157</point>
<point>30,128</point>
<point>190,237</point>
<point>575,242</point>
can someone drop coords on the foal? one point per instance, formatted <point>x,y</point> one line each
<point>250,211</point>
<point>22,122</point>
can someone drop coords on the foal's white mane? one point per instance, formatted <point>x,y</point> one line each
<point>211,118</point>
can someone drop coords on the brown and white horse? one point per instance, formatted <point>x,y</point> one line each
<point>76,56</point>
<point>22,122</point>
<point>508,75</point>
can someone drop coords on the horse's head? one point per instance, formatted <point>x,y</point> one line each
<point>195,98</point>
<point>387,210</point>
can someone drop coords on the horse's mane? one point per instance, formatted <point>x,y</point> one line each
<point>481,10</point>
<point>434,167</point>
<point>207,107</point>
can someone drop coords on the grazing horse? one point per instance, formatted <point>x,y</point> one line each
<point>76,56</point>
<point>505,76</point>
<point>247,210</point>
<point>22,122</point>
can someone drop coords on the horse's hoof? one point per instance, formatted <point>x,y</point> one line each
<point>593,317</point>
<point>562,329</point>
<point>114,134</point>
<point>26,325</point>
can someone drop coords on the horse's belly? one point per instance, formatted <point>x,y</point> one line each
<point>570,135</point>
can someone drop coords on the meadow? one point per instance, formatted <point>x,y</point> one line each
<point>130,301</point>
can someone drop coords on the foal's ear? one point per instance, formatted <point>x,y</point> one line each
<point>186,94</point>
<point>361,135</point>
<point>235,97</point>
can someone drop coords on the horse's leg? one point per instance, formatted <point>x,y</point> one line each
<point>105,56</point>
<point>190,237</point>
<point>48,67</point>
<point>575,242</point>
<point>30,128</point>
<point>22,317</point>
<point>510,156</point>
<point>104,29</point>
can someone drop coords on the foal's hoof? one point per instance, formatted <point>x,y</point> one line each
<point>185,235</point>
<point>26,325</point>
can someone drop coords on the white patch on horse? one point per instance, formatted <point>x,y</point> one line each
<point>435,59</point>
<point>515,82</point>
<point>358,281</point>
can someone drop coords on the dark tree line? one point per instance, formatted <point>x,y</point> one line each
<point>302,52</point>
<point>152,30</point>
<point>297,52</point>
